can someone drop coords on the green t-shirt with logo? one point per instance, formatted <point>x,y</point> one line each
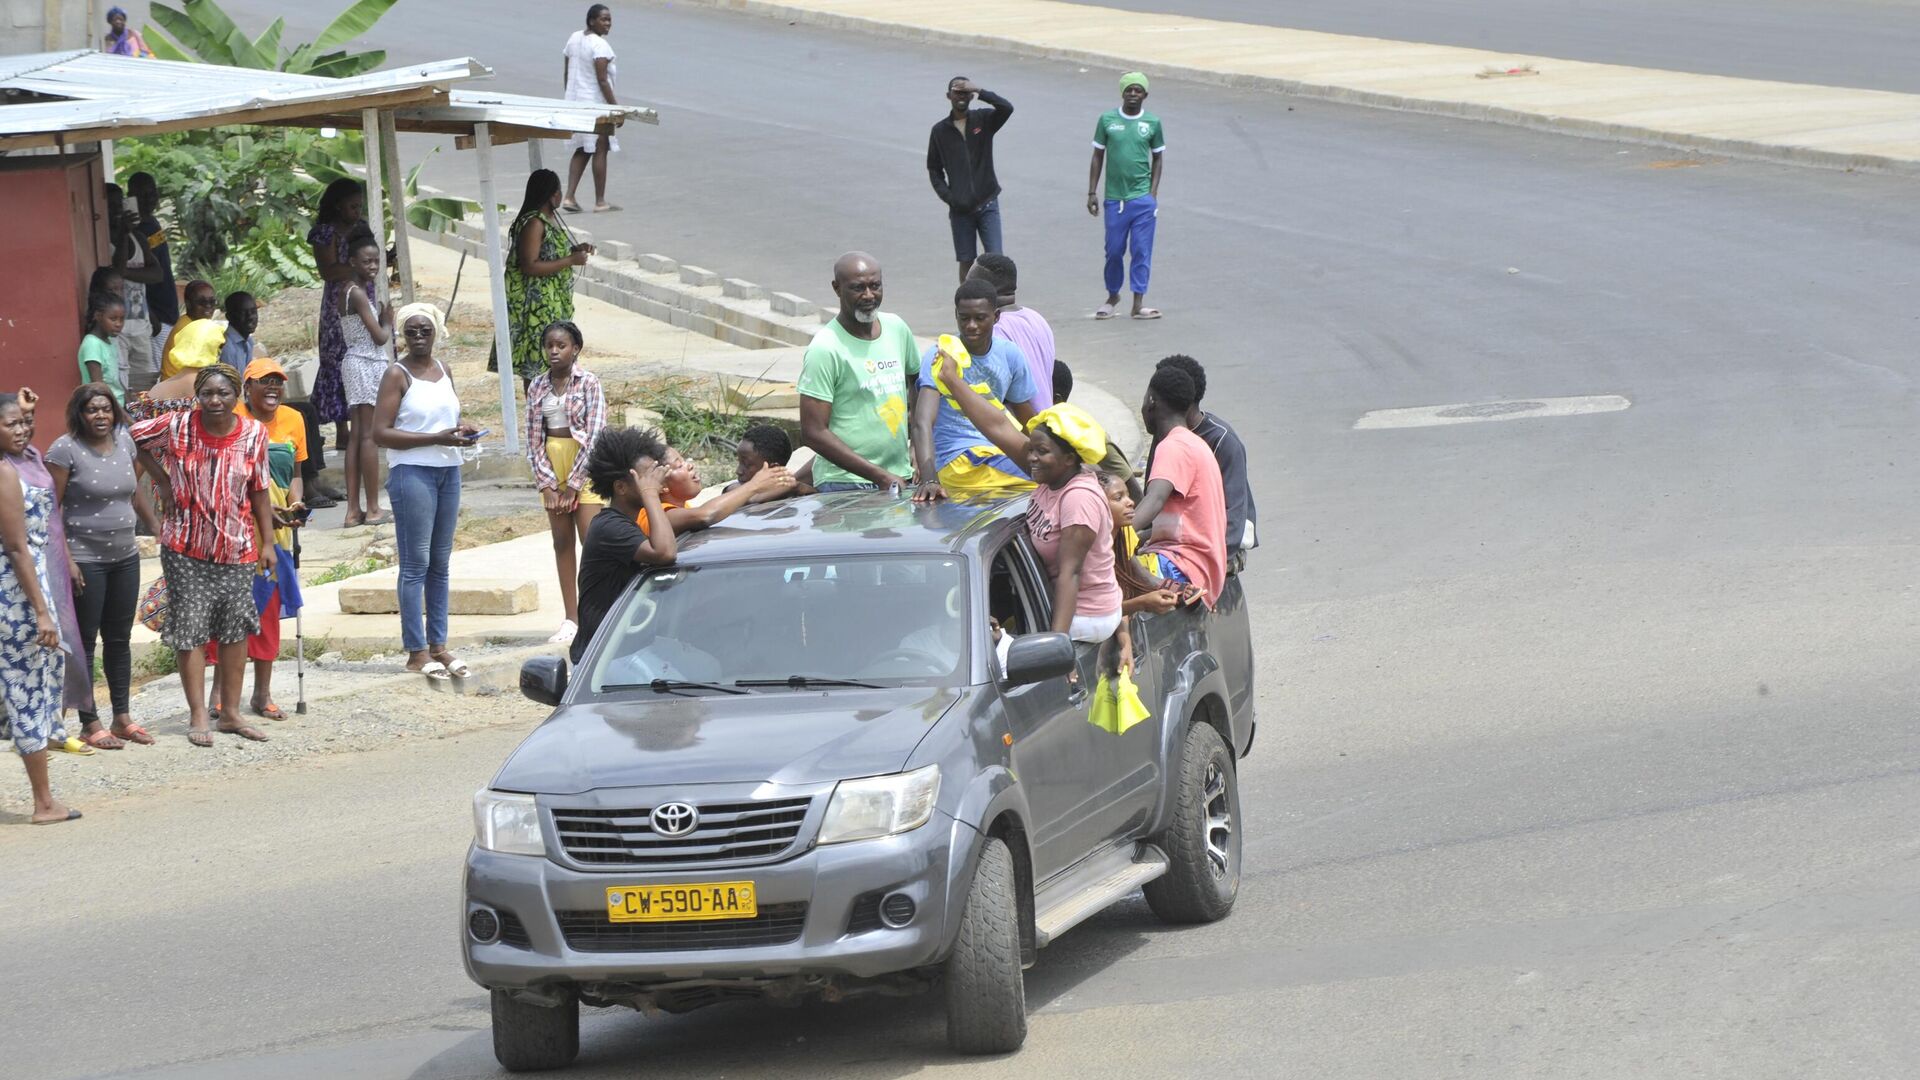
<point>866,383</point>
<point>1130,143</point>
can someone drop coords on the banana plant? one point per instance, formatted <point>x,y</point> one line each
<point>201,30</point>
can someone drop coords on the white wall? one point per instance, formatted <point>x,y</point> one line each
<point>31,26</point>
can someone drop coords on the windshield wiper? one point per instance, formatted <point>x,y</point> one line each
<point>801,682</point>
<point>672,686</point>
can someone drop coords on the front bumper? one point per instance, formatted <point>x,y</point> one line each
<point>828,880</point>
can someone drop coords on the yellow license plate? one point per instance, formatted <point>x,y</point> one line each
<point>680,903</point>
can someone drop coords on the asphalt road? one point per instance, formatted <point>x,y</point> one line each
<point>1868,43</point>
<point>1587,745</point>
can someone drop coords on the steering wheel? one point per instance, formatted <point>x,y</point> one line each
<point>934,665</point>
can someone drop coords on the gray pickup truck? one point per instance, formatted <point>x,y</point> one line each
<point>802,761</point>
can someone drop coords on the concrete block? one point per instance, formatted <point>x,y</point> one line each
<point>785,303</point>
<point>474,596</point>
<point>698,277</point>
<point>618,250</point>
<point>757,395</point>
<point>639,416</point>
<point>580,236</point>
<point>741,290</point>
<point>657,264</point>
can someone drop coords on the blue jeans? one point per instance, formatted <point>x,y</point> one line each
<point>983,220</point>
<point>426,506</point>
<point>1130,224</point>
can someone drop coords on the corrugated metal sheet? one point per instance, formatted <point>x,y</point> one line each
<point>103,94</point>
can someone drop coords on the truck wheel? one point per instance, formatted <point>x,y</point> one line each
<point>1203,842</point>
<point>529,1038</point>
<point>986,996</point>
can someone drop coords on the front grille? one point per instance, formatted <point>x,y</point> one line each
<point>728,832</point>
<point>514,932</point>
<point>589,931</point>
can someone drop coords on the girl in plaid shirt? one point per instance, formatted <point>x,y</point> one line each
<point>566,411</point>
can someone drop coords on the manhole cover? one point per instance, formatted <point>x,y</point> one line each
<point>1491,408</point>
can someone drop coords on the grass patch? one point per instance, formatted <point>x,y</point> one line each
<point>350,568</point>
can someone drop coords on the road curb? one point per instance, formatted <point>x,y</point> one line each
<point>1463,110</point>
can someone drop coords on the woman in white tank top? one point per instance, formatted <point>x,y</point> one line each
<point>417,421</point>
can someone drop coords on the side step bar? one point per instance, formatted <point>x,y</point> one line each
<point>1096,882</point>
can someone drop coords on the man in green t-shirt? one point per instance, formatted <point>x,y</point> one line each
<point>1129,143</point>
<point>853,386</point>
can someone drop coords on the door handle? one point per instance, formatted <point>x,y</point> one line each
<point>1077,696</point>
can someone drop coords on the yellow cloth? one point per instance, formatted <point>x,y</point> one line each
<point>966,476</point>
<point>194,343</point>
<point>563,453</point>
<point>1077,428</point>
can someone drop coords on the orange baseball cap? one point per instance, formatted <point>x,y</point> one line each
<point>263,367</point>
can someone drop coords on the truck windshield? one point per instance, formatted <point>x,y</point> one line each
<point>888,620</point>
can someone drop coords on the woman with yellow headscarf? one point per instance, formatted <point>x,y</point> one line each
<point>1069,521</point>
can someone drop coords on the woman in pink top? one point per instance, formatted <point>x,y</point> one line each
<point>1069,521</point>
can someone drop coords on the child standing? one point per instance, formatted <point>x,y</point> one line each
<point>367,326</point>
<point>566,410</point>
<point>99,348</point>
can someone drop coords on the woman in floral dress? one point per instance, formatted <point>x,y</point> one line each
<point>32,666</point>
<point>540,274</point>
<point>343,207</point>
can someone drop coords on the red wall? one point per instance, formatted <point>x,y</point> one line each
<point>56,213</point>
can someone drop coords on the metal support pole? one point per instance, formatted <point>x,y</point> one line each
<point>106,160</point>
<point>376,203</point>
<point>497,279</point>
<point>533,156</point>
<point>397,204</point>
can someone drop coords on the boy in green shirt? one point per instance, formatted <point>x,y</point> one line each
<point>1129,143</point>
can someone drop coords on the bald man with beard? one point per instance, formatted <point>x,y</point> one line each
<point>854,382</point>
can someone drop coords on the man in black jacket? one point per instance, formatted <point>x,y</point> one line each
<point>960,164</point>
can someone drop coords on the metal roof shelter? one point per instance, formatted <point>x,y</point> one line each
<point>61,99</point>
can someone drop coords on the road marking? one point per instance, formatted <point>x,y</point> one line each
<point>1483,411</point>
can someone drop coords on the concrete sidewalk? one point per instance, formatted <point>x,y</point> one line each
<point>1831,127</point>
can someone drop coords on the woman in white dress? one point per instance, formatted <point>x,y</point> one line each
<point>587,70</point>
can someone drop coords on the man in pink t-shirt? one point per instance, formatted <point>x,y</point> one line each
<point>1182,518</point>
<point>1021,325</point>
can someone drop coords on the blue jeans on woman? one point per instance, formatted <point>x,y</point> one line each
<point>426,506</point>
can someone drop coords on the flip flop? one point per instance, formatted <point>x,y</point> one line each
<point>245,731</point>
<point>72,746</point>
<point>571,207</point>
<point>1104,311</point>
<point>134,733</point>
<point>382,519</point>
<point>434,670</point>
<point>201,739</point>
<point>606,209</point>
<point>455,668</point>
<point>271,712</point>
<point>72,815</point>
<point>104,740</point>
<point>1147,313</point>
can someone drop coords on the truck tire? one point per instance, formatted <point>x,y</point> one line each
<point>1203,841</point>
<point>530,1038</point>
<point>986,995</point>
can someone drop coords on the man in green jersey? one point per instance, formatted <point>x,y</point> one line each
<point>853,386</point>
<point>1129,143</point>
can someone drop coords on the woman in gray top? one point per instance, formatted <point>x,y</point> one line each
<point>93,477</point>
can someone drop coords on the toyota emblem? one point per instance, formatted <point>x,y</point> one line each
<point>675,819</point>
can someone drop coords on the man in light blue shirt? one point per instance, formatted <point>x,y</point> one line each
<point>952,458</point>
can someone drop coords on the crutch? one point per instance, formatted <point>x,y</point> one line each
<point>299,640</point>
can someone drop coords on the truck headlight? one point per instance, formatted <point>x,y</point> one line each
<point>880,805</point>
<point>507,823</point>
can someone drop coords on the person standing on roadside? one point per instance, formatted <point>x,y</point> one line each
<point>1129,147</point>
<point>960,164</point>
<point>92,466</point>
<point>136,269</point>
<point>163,303</point>
<point>209,466</point>
<point>32,667</point>
<point>566,411</point>
<point>540,274</point>
<point>343,209</point>
<point>1021,325</point>
<point>587,70</point>
<point>854,381</point>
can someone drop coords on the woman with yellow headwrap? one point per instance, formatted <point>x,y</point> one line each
<point>1069,521</point>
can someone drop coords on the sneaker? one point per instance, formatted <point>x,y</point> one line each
<point>564,635</point>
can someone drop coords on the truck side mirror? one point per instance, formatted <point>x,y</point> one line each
<point>1033,658</point>
<point>544,679</point>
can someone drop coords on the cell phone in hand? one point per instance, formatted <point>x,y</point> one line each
<point>478,435</point>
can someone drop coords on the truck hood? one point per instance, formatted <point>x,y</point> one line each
<point>781,736</point>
